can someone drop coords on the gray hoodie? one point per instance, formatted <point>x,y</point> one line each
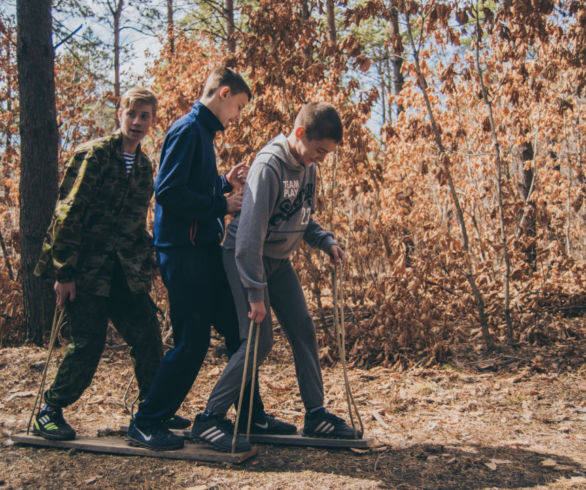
<point>279,199</point>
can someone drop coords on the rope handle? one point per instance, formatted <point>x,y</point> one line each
<point>251,329</point>
<point>340,332</point>
<point>55,327</point>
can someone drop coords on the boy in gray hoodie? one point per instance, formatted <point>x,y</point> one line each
<point>278,202</point>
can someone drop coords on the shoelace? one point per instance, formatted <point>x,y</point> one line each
<point>226,426</point>
<point>163,432</point>
<point>57,416</point>
<point>330,417</point>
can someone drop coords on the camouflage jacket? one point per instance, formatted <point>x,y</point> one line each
<point>100,213</point>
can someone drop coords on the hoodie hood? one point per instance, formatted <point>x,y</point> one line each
<point>279,147</point>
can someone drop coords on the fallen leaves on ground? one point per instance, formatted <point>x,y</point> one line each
<point>454,426</point>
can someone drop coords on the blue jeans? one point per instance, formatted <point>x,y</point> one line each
<point>199,296</point>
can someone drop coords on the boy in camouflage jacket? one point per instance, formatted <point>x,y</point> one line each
<point>100,255</point>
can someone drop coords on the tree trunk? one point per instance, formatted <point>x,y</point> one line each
<point>170,26</point>
<point>396,54</point>
<point>444,162</point>
<point>9,60</point>
<point>383,91</point>
<point>526,182</point>
<point>305,12</point>
<point>331,22</point>
<point>499,169</point>
<point>388,83</point>
<point>6,257</point>
<point>117,16</point>
<point>229,13</point>
<point>38,157</point>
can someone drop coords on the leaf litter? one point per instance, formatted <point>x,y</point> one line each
<point>457,425</point>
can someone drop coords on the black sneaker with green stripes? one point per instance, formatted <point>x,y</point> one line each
<point>50,424</point>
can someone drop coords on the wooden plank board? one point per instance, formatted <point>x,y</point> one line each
<point>299,440</point>
<point>295,440</point>
<point>115,445</point>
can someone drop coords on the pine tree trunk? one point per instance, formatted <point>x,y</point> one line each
<point>331,22</point>
<point>397,54</point>
<point>117,18</point>
<point>170,26</point>
<point>229,13</point>
<point>38,139</point>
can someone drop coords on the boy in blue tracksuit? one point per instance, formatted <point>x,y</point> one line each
<point>188,229</point>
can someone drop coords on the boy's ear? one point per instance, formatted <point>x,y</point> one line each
<point>299,132</point>
<point>224,91</point>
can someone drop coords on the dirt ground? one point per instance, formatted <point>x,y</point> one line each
<point>506,419</point>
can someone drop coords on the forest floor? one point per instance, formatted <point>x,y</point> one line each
<point>504,419</point>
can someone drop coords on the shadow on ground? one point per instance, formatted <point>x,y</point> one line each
<point>417,466</point>
<point>429,466</point>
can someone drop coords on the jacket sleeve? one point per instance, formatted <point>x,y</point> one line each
<point>171,186</point>
<point>260,196</point>
<point>60,251</point>
<point>317,237</point>
<point>225,185</point>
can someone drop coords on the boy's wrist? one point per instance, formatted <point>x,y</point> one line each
<point>65,274</point>
<point>327,243</point>
<point>255,295</point>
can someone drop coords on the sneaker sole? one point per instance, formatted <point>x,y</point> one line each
<point>52,437</point>
<point>332,436</point>
<point>137,443</point>
<point>222,449</point>
<point>270,432</point>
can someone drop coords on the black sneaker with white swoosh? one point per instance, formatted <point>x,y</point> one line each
<point>217,431</point>
<point>176,422</point>
<point>267,424</point>
<point>322,423</point>
<point>156,438</point>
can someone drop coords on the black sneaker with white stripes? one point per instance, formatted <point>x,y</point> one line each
<point>217,431</point>
<point>322,423</point>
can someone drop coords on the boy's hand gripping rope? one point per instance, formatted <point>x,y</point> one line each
<point>243,385</point>
<point>57,324</point>
<point>339,327</point>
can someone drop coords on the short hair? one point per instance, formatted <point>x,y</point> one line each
<point>224,76</point>
<point>321,121</point>
<point>138,94</point>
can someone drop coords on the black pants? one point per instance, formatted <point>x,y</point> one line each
<point>199,296</point>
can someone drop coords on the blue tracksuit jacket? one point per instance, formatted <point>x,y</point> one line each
<point>190,205</point>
